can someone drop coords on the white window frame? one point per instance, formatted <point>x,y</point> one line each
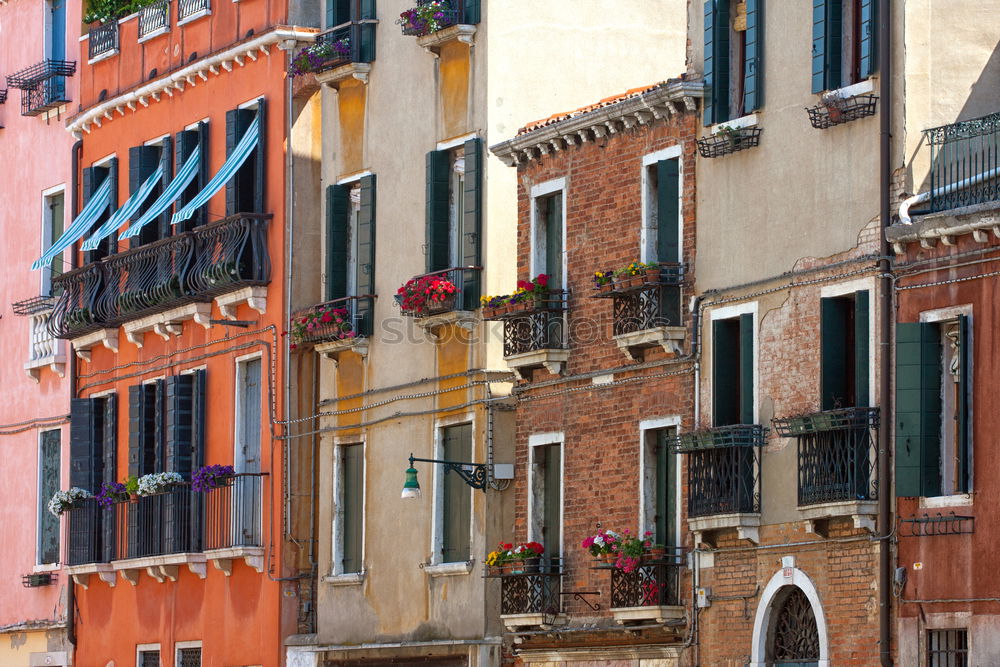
<point>39,566</point>
<point>189,644</point>
<point>143,648</point>
<point>647,234</point>
<point>647,468</point>
<point>535,489</point>
<point>726,313</point>
<point>437,565</point>
<point>337,547</point>
<point>240,364</point>
<point>195,125</point>
<point>537,234</point>
<point>848,289</point>
<point>46,236</point>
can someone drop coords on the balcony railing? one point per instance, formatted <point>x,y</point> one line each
<point>837,454</point>
<point>466,296</point>
<point>647,305</point>
<point>654,582</point>
<point>358,310</point>
<point>723,469</point>
<point>188,8</point>
<point>167,523</point>
<point>536,592</point>
<point>91,534</point>
<point>233,513</point>
<point>43,345</point>
<point>535,324</point>
<point>43,95</point>
<point>29,76</point>
<point>154,18</point>
<point>103,40</point>
<point>336,43</point>
<point>965,163</point>
<point>3,96</point>
<point>194,266</point>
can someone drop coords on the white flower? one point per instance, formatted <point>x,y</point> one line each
<point>63,500</point>
<point>599,540</point>
<point>157,482</point>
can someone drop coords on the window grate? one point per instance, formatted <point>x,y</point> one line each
<point>149,658</point>
<point>189,657</point>
<point>948,648</point>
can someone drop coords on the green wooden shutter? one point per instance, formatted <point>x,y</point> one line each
<point>666,490</point>
<point>668,183</point>
<point>862,395</point>
<point>365,264</point>
<point>198,419</point>
<point>185,143</point>
<point>84,466</point>
<point>746,369</point>
<point>438,248</point>
<point>819,72</point>
<point>725,372</point>
<point>833,354</point>
<point>352,500</point>
<point>963,448</point>
<point>753,66</point>
<point>166,160</point>
<point>716,61</point>
<point>472,222</point>
<point>109,245</point>
<point>457,510</point>
<point>554,242</point>
<point>232,137</point>
<point>918,409</point>
<point>471,12</point>
<point>869,32</point>
<point>338,220</point>
<point>143,161</point>
<point>179,427</point>
<point>143,429</point>
<point>827,49</point>
<point>338,12</point>
<point>242,192</point>
<point>108,406</point>
<point>363,32</point>
<point>552,499</point>
<point>260,161</point>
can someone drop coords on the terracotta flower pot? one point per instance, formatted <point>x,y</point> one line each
<point>606,287</point>
<point>531,564</point>
<point>609,558</point>
<point>636,281</point>
<point>507,567</point>
<point>652,275</point>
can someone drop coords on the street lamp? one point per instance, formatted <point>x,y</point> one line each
<point>475,475</point>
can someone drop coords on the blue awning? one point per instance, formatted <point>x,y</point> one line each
<point>126,211</point>
<point>184,176</point>
<point>228,170</point>
<point>79,227</point>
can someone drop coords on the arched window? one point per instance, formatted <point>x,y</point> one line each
<point>794,636</point>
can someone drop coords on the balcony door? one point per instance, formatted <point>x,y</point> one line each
<point>245,512</point>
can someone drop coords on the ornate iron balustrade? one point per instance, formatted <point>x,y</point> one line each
<point>837,454</point>
<point>29,76</point>
<point>188,8</point>
<point>359,312</point>
<point>43,95</point>
<point>233,513</point>
<point>466,296</point>
<point>452,12</point>
<point>32,305</point>
<point>103,40</point>
<point>154,18</point>
<point>532,592</point>
<point>338,42</point>
<point>87,542</point>
<point>723,469</point>
<point>649,305</point>
<point>965,163</point>
<point>43,345</point>
<point>653,583</point>
<point>194,266</point>
<point>535,324</point>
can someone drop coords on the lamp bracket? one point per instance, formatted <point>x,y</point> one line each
<point>475,475</point>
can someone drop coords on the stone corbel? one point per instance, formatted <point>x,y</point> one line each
<point>167,329</point>
<point>555,367</point>
<point>82,580</point>
<point>928,243</point>
<point>131,576</point>
<point>980,236</point>
<point>254,297</point>
<point>899,248</point>
<point>106,337</point>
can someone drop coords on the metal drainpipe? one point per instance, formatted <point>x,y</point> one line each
<point>77,151</point>
<point>885,366</point>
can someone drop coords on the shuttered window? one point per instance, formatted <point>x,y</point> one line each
<point>546,493</point>
<point>350,247</point>
<point>470,11</point>
<point>142,162</point>
<point>843,39</point>
<point>844,351</point>
<point>733,371</point>
<point>185,143</point>
<point>663,228</point>
<point>92,445</point>
<point>664,479</point>
<point>351,507</point>
<point>438,211</point>
<point>364,260</point>
<point>734,58</point>
<point>471,238</point>
<point>456,508</point>
<point>49,465</point>
<point>245,190</point>
<point>91,179</point>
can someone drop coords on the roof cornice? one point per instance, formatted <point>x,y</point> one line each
<point>667,100</point>
<point>222,61</point>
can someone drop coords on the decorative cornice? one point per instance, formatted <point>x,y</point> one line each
<point>667,100</point>
<point>168,84</point>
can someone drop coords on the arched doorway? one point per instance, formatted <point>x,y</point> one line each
<point>790,627</point>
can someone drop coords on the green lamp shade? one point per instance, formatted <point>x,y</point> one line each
<point>411,488</point>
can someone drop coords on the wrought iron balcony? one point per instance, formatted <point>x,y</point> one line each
<point>233,513</point>
<point>335,46</point>
<point>653,583</point>
<point>44,95</point>
<point>837,454</point>
<point>965,163</point>
<point>729,141</point>
<point>166,523</point>
<point>465,297</point>
<point>723,469</point>
<point>3,96</point>
<point>29,76</point>
<point>154,19</point>
<point>356,311</point>
<point>103,40</point>
<point>534,324</point>
<point>194,266</point>
<point>451,15</point>
<point>91,534</point>
<point>189,8</point>
<point>653,301</point>
<point>535,592</point>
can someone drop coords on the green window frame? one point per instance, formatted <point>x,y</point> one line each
<point>660,478</point>
<point>842,27</point>
<point>456,496</point>
<point>350,509</point>
<point>49,482</point>
<point>733,352</point>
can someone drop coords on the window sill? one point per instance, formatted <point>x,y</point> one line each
<point>735,123</point>
<point>466,319</point>
<point>746,525</point>
<point>553,359</point>
<point>350,579</point>
<point>860,88</point>
<point>153,35</point>
<point>46,567</point>
<point>103,56</point>
<point>106,337</point>
<point>449,569</point>
<point>56,362</point>
<point>862,512</point>
<point>81,573</point>
<point>656,613</point>
<point>333,349</point>
<point>669,338</point>
<point>456,33</point>
<point>160,568</point>
<point>334,77</point>
<point>957,500</point>
<point>514,622</point>
<point>223,559</point>
<point>167,323</point>
<point>194,17</point>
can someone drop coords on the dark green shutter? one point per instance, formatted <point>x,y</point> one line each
<point>109,436</point>
<point>338,220</point>
<point>143,430</point>
<point>552,499</point>
<point>869,31</point>
<point>363,31</point>
<point>666,490</point>
<point>241,192</point>
<point>110,244</point>
<point>85,466</point>
<point>746,369</point>
<point>48,485</point>
<point>166,159</point>
<point>668,183</point>
<point>753,65</point>
<point>472,222</point>
<point>198,419</point>
<point>918,409</point>
<point>365,264</point>
<point>88,183</point>
<point>725,373</point>
<point>232,137</point>
<point>457,510</point>
<point>833,354</point>
<point>438,245</point>
<point>716,61</point>
<point>338,12</point>
<point>260,161</point>
<point>554,242</point>
<point>862,396</point>
<point>179,427</point>
<point>352,500</point>
<point>143,161</point>
<point>963,448</point>
<point>185,142</point>
<point>827,48</point>
<point>471,12</point>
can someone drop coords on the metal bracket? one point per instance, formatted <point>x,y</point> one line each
<point>475,475</point>
<point>578,595</point>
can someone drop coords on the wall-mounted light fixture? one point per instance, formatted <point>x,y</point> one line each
<point>476,475</point>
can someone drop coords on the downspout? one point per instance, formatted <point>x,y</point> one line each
<point>904,208</point>
<point>885,356</point>
<point>74,193</point>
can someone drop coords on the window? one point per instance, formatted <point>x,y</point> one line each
<point>948,648</point>
<point>545,521</point>
<point>49,456</point>
<point>92,451</point>
<point>549,242</point>
<point>188,654</point>
<point>455,495</point>
<point>350,246</point>
<point>734,72</point>
<point>454,215</point>
<point>245,190</point>
<point>248,415</point>
<point>844,351</point>
<point>349,520</point>
<point>147,655</point>
<point>733,370</point>
<point>934,407</point>
<point>843,49</point>
<point>92,178</point>
<point>661,235</point>
<point>55,30</point>
<point>353,20</point>
<point>659,471</point>
<point>185,143</point>
<point>143,161</point>
<point>53,224</point>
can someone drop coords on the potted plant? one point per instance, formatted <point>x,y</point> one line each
<point>531,294</point>
<point>530,554</point>
<point>67,500</point>
<point>326,322</point>
<point>657,552</point>
<point>604,280</point>
<point>493,306</point>
<point>425,18</point>
<point>495,559</point>
<point>631,549</point>
<point>316,57</point>
<point>651,272</point>
<point>158,482</point>
<point>426,295</point>
<point>732,135</point>
<point>603,545</point>
<point>110,494</point>
<point>630,275</point>
<point>835,106</point>
<point>211,477</point>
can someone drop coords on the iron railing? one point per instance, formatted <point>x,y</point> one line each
<point>537,592</point>
<point>728,142</point>
<point>335,45</point>
<point>3,96</point>
<point>154,18</point>
<point>466,296</point>
<point>188,8</point>
<point>837,452</point>
<point>723,469</point>
<point>233,513</point>
<point>29,76</point>
<point>103,40</point>
<point>43,95</point>
<point>356,311</point>
<point>536,324</point>
<point>165,523</point>
<point>841,110</point>
<point>965,163</point>
<point>654,582</point>
<point>452,12</point>
<point>86,524</point>
<point>192,266</point>
<point>648,305</point>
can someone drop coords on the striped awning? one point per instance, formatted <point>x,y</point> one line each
<point>95,206</point>
<point>239,155</point>
<point>184,176</point>
<point>128,209</point>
